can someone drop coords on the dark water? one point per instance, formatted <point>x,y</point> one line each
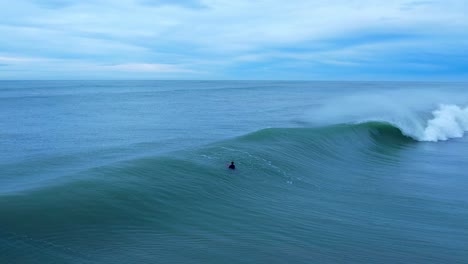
<point>327,172</point>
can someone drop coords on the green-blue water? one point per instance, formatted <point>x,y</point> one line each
<point>327,172</point>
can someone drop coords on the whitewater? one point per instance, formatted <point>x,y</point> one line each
<point>327,172</point>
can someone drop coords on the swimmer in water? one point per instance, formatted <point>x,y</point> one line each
<point>232,166</point>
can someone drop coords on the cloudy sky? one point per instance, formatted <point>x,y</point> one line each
<point>234,39</point>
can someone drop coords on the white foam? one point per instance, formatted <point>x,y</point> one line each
<point>413,113</point>
<point>450,121</point>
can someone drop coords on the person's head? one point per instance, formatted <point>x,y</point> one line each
<point>232,162</point>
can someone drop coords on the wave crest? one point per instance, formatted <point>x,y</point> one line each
<point>447,122</point>
<point>450,121</point>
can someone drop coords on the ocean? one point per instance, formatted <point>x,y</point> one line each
<point>326,172</point>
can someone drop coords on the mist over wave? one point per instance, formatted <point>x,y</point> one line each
<point>429,116</point>
<point>449,121</point>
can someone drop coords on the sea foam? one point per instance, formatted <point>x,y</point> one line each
<point>450,121</point>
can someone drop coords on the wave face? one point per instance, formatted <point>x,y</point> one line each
<point>326,190</point>
<point>367,185</point>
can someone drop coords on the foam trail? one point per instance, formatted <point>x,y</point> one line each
<point>450,121</point>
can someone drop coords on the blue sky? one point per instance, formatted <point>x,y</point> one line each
<point>227,39</point>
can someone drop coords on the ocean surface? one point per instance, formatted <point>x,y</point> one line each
<point>327,172</point>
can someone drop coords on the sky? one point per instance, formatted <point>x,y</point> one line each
<point>234,39</point>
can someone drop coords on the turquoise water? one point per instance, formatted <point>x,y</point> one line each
<point>327,172</point>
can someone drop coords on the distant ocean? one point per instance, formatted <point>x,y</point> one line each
<point>327,172</point>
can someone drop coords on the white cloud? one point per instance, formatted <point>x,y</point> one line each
<point>138,37</point>
<point>16,60</point>
<point>246,25</point>
<point>146,67</point>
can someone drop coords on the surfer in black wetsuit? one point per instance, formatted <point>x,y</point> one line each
<point>232,166</point>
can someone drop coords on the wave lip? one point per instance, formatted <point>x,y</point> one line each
<point>450,121</point>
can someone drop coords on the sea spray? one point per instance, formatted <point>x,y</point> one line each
<point>450,121</point>
<point>447,122</point>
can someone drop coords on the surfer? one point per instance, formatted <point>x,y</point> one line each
<point>232,166</point>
